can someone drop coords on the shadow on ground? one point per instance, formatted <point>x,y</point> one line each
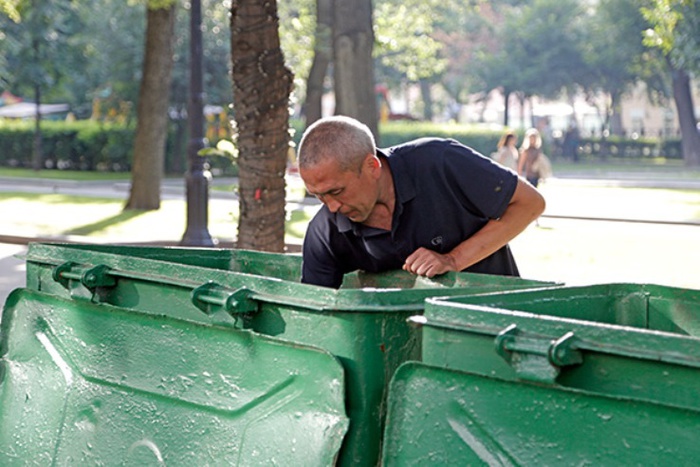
<point>89,229</point>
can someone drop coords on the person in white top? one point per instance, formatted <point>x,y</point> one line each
<point>507,154</point>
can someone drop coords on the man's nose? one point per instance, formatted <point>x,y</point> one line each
<point>332,203</point>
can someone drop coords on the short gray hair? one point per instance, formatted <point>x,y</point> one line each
<point>342,138</point>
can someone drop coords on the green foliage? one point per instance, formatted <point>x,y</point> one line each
<point>296,29</point>
<point>675,26</point>
<point>36,49</point>
<point>413,52</point>
<point>9,9</point>
<point>624,148</point>
<point>615,55</point>
<point>159,4</point>
<point>80,145</point>
<point>481,139</point>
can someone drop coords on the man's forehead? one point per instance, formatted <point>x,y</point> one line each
<point>325,176</point>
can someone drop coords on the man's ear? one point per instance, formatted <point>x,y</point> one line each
<point>373,161</point>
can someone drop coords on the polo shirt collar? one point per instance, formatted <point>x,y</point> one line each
<point>404,184</point>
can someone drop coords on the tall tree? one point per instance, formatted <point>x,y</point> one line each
<point>353,69</point>
<point>615,57</point>
<point>152,107</point>
<point>323,56</point>
<point>406,51</point>
<point>675,32</point>
<point>261,88</point>
<point>37,53</point>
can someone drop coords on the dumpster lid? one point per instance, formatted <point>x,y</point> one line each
<point>259,274</point>
<point>514,315</point>
<point>88,383</point>
<point>438,416</point>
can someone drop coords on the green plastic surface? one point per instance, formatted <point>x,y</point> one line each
<point>444,417</point>
<point>363,323</point>
<point>640,341</point>
<point>88,384</point>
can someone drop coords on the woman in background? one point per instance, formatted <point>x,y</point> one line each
<point>530,157</point>
<point>507,154</point>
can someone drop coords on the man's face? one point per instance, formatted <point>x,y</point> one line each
<point>352,193</point>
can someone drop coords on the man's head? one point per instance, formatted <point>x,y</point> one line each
<point>341,138</point>
<point>338,164</point>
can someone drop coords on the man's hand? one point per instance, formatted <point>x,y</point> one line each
<point>424,262</point>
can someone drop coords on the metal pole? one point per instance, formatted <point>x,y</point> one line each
<point>197,178</point>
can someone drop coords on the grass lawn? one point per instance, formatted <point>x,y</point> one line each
<point>103,219</point>
<point>77,175</point>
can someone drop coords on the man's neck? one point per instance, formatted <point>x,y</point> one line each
<point>383,212</point>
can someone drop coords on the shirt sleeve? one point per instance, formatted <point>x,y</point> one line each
<point>484,186</point>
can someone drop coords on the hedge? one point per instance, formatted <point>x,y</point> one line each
<point>89,145</point>
<point>79,145</point>
<point>641,148</point>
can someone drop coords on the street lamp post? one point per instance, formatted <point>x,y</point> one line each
<point>197,178</point>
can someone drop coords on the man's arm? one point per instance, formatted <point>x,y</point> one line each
<point>525,206</point>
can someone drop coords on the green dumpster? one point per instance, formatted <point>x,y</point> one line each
<point>439,416</point>
<point>363,323</point>
<point>88,384</point>
<point>630,340</point>
<point>605,374</point>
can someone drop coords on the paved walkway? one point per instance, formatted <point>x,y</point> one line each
<point>12,269</point>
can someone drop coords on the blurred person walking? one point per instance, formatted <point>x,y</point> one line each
<point>507,151</point>
<point>533,164</point>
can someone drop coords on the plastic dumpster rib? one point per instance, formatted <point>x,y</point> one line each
<point>438,416</point>
<point>89,384</point>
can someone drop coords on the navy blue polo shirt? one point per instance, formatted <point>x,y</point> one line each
<point>445,192</point>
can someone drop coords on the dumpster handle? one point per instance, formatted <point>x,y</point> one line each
<point>96,276</point>
<point>537,358</point>
<point>211,296</point>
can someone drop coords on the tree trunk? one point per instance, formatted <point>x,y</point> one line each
<point>506,107</point>
<point>427,95</point>
<point>323,54</point>
<point>690,137</point>
<point>152,110</point>
<point>353,40</point>
<point>616,127</point>
<point>261,88</point>
<point>37,150</point>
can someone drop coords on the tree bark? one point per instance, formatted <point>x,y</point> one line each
<point>37,146</point>
<point>427,95</point>
<point>353,40</point>
<point>152,110</point>
<point>690,136</point>
<point>506,107</point>
<point>261,88</point>
<point>615,119</point>
<point>323,55</point>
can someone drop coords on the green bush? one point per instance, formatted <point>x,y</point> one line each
<point>481,138</point>
<point>623,148</point>
<point>89,145</point>
<point>79,145</point>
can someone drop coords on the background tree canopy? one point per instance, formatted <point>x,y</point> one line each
<point>458,51</point>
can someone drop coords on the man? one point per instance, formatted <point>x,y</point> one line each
<point>428,206</point>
